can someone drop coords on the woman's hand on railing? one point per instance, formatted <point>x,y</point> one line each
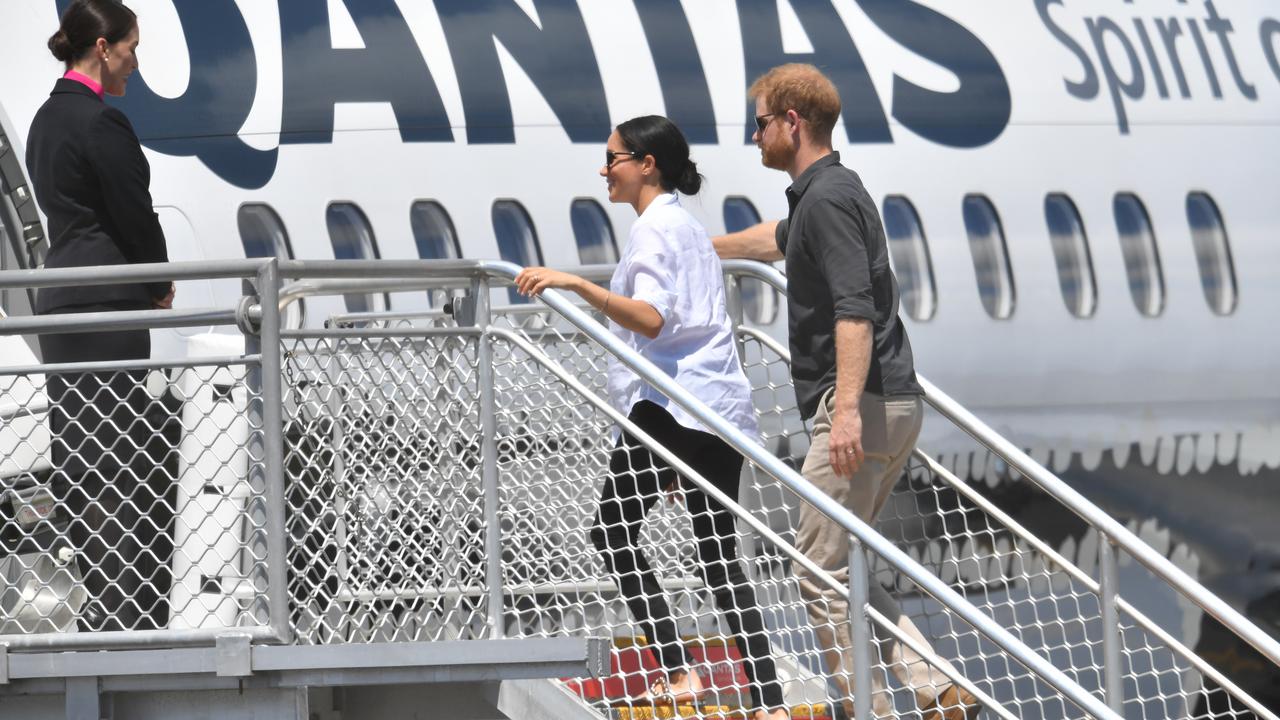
<point>533,280</point>
<point>166,302</point>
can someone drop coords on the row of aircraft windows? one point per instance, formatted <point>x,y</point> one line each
<point>263,234</point>
<point>1070,243</point>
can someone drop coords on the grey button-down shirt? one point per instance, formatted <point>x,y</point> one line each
<point>838,267</point>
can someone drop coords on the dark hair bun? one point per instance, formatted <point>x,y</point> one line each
<point>657,136</point>
<point>60,46</point>
<point>690,181</point>
<point>84,21</point>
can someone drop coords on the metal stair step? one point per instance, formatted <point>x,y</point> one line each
<point>710,712</point>
<point>633,667</point>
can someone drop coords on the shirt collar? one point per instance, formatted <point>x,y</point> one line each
<point>803,182</point>
<point>661,200</point>
<point>87,81</point>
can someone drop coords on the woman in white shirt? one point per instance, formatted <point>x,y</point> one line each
<point>667,301</point>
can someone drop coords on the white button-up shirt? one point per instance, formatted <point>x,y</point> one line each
<point>669,263</point>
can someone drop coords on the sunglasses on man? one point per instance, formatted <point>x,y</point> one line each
<point>762,121</point>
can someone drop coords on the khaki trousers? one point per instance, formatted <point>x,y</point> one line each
<point>890,427</point>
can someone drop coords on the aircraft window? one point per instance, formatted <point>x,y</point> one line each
<point>262,234</point>
<point>352,239</point>
<point>909,253</point>
<point>517,240</point>
<point>593,233</point>
<point>1213,253</point>
<point>759,301</point>
<point>1071,252</point>
<point>1141,256</point>
<point>433,231</point>
<point>435,237</point>
<point>990,256</point>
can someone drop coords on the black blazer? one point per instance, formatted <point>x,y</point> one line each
<point>93,184</point>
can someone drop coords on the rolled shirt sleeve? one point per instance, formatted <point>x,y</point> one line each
<point>780,235</point>
<point>651,275</point>
<point>842,254</point>
<point>652,281</point>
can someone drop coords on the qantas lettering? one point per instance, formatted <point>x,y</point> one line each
<point>1159,40</point>
<point>557,55</point>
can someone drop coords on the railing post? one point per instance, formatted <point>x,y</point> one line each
<point>268,411</point>
<point>1111,639</point>
<point>733,297</point>
<point>489,459</point>
<point>859,596</point>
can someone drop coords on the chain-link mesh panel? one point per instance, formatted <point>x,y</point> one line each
<point>131,500</point>
<point>601,543</point>
<point>385,512</point>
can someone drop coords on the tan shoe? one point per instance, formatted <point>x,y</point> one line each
<point>954,703</point>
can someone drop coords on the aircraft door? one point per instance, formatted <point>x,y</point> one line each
<point>183,246</point>
<point>22,237</point>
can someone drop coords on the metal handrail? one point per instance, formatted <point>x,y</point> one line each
<point>1064,493</point>
<point>141,272</point>
<point>860,530</point>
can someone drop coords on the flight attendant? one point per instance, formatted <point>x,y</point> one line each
<point>92,182</point>
<point>666,301</point>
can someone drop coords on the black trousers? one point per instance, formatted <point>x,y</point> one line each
<point>635,481</point>
<point>99,440</point>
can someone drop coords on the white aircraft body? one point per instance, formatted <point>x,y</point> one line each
<point>1080,194</point>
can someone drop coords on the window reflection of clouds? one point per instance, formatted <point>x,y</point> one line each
<point>593,233</point>
<point>352,238</point>
<point>990,257</point>
<point>1141,255</point>
<point>1071,253</point>
<point>517,239</point>
<point>909,254</point>
<point>1213,253</point>
<point>262,234</point>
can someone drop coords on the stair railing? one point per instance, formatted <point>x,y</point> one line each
<point>1112,534</point>
<point>862,535</point>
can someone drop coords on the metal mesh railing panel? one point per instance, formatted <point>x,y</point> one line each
<point>555,449</point>
<point>997,567</point>
<point>384,509</point>
<point>132,500</point>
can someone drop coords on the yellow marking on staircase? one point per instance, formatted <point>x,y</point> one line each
<point>708,712</point>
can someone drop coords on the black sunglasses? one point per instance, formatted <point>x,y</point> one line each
<point>762,121</point>
<point>610,156</point>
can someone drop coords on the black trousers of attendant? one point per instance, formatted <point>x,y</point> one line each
<point>635,481</point>
<point>100,436</point>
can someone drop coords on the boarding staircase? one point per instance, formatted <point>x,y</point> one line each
<point>405,499</point>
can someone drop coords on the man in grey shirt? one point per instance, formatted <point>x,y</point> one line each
<point>851,365</point>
